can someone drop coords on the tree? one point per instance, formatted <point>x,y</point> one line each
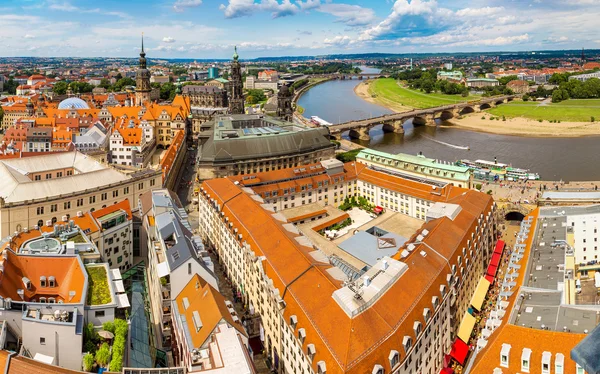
<point>250,100</point>
<point>258,95</point>
<point>427,86</point>
<point>104,83</point>
<point>103,355</point>
<point>11,86</point>
<point>88,362</point>
<point>60,88</point>
<point>509,78</point>
<point>109,326</point>
<point>559,95</point>
<point>122,83</point>
<point>167,91</point>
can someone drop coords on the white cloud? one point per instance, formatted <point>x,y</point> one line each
<point>241,8</point>
<point>181,5</point>
<point>68,7</point>
<point>168,39</point>
<point>338,40</point>
<point>29,36</point>
<point>479,12</point>
<point>352,15</point>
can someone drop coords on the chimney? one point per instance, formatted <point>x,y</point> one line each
<point>385,264</point>
<point>366,281</point>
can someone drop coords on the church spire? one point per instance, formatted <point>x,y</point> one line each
<point>142,53</point>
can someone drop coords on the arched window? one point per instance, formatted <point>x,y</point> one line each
<point>54,220</point>
<point>40,223</point>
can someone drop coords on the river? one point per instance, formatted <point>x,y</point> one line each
<point>569,159</point>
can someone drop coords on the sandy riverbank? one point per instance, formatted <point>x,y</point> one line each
<point>362,91</point>
<point>525,127</point>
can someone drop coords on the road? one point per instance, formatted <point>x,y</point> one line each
<point>185,188</point>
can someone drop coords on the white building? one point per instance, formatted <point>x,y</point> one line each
<point>174,256</point>
<point>127,143</point>
<point>208,333</point>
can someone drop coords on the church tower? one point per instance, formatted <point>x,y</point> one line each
<point>236,99</point>
<point>142,80</point>
<point>284,103</point>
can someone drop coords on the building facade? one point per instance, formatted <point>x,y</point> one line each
<point>41,189</point>
<point>303,308</point>
<point>242,144</point>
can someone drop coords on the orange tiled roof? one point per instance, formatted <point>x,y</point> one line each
<point>166,163</point>
<point>210,305</point>
<point>67,270</point>
<point>352,345</point>
<point>123,204</point>
<point>538,341</point>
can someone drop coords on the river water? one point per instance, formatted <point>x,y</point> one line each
<point>569,159</point>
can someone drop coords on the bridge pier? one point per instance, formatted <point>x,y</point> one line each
<point>393,126</point>
<point>425,119</point>
<point>361,133</point>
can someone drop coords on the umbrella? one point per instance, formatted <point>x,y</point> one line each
<point>106,334</point>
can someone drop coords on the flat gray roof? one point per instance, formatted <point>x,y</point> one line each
<point>369,248</point>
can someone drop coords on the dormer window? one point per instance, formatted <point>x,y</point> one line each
<point>51,281</point>
<point>504,355</point>
<point>417,328</point>
<point>42,281</point>
<point>407,343</point>
<point>443,290</point>
<point>525,360</point>
<point>426,314</point>
<point>377,369</point>
<point>293,322</point>
<point>578,369</point>
<point>310,351</point>
<point>559,363</point>
<point>394,358</point>
<point>435,301</point>
<point>546,358</point>
<point>301,335</point>
<point>26,283</point>
<point>321,367</point>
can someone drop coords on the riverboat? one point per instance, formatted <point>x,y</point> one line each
<point>494,170</point>
<point>319,121</point>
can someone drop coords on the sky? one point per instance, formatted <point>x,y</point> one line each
<point>210,28</point>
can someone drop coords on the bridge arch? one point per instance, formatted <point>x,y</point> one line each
<point>500,102</point>
<point>466,110</point>
<point>514,215</point>
<point>485,106</point>
<point>446,115</point>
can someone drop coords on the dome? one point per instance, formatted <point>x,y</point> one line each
<point>73,103</point>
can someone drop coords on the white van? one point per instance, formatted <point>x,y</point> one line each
<point>578,286</point>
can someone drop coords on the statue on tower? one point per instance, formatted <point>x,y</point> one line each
<point>142,80</point>
<point>236,99</point>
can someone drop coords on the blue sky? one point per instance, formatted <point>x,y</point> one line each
<point>210,28</point>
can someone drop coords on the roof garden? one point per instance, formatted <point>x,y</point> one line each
<point>99,292</point>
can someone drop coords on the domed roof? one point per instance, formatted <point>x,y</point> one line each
<point>73,103</point>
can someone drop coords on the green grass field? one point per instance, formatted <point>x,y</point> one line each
<point>386,90</point>
<point>568,110</point>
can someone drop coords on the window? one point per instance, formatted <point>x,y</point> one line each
<point>559,363</point>
<point>394,358</point>
<point>38,177</point>
<point>43,341</point>
<point>152,182</point>
<point>99,313</point>
<point>79,202</point>
<point>525,359</point>
<point>301,335</point>
<point>546,357</point>
<point>189,268</point>
<point>116,193</point>
<point>407,343</point>
<point>504,355</point>
<point>40,210</point>
<point>126,190</point>
<point>377,369</point>
<point>67,205</point>
<point>92,199</point>
<point>103,196</point>
<point>119,259</point>
<point>579,369</point>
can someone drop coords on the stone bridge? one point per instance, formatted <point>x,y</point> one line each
<point>394,122</point>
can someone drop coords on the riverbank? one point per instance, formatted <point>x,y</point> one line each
<point>524,127</point>
<point>363,90</point>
